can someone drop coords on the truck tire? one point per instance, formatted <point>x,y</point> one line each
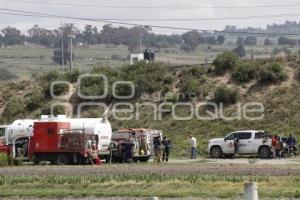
<point>62,159</point>
<point>216,152</point>
<point>264,152</point>
<point>144,159</point>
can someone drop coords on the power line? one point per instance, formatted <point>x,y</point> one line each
<point>120,22</point>
<point>155,7</point>
<point>157,19</point>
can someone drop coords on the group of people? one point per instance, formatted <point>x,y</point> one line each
<point>282,145</point>
<point>161,149</point>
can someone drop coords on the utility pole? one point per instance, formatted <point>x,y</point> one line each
<point>71,51</point>
<point>62,47</point>
<point>141,40</point>
<point>297,51</point>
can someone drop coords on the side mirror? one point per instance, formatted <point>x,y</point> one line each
<point>225,139</point>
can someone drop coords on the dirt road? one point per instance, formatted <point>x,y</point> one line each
<point>274,167</point>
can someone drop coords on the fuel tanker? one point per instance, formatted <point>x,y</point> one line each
<point>18,134</point>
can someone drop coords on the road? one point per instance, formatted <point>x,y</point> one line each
<point>272,167</point>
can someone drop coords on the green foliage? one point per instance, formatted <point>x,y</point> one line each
<point>3,159</point>
<point>225,61</point>
<point>240,50</point>
<point>147,78</point>
<point>226,95</point>
<point>198,71</point>
<point>34,100</point>
<point>190,87</point>
<point>244,72</point>
<point>6,75</point>
<point>271,73</point>
<point>15,108</point>
<point>72,76</point>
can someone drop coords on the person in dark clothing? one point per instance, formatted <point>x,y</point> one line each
<point>236,144</point>
<point>291,142</point>
<point>157,149</point>
<point>166,149</point>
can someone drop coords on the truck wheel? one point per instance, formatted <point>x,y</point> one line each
<point>216,152</point>
<point>144,159</point>
<point>264,152</point>
<point>62,159</point>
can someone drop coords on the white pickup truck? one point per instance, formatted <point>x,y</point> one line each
<point>250,142</point>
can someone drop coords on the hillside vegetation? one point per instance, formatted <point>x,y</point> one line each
<point>231,81</point>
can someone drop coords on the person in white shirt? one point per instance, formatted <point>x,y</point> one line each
<point>193,143</point>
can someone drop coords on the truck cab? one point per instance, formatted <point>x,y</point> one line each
<point>250,142</point>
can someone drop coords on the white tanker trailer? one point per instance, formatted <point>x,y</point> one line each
<point>20,130</point>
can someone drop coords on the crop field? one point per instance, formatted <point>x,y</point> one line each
<point>24,60</point>
<point>172,180</point>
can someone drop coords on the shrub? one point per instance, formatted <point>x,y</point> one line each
<point>244,72</point>
<point>271,73</point>
<point>197,71</point>
<point>14,109</point>
<point>226,95</point>
<point>3,159</point>
<point>147,78</point>
<point>190,87</point>
<point>225,61</point>
<point>240,50</point>
<point>186,47</point>
<point>6,75</point>
<point>35,100</point>
<point>72,76</point>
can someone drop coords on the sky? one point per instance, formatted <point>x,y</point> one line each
<point>212,10</point>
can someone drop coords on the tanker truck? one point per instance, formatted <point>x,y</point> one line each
<point>17,135</point>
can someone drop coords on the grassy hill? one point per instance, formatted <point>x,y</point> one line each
<point>272,82</point>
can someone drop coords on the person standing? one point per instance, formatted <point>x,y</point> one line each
<point>278,147</point>
<point>166,149</point>
<point>193,143</point>
<point>236,144</point>
<point>157,149</point>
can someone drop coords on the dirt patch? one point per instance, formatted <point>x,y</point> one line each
<point>170,169</point>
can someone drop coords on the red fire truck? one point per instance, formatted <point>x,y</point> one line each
<point>57,143</point>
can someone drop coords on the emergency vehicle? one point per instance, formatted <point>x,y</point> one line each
<point>139,138</point>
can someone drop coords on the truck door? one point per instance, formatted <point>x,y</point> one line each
<point>245,143</point>
<point>228,147</point>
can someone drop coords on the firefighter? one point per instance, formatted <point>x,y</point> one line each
<point>157,149</point>
<point>93,155</point>
<point>166,149</point>
<point>143,147</point>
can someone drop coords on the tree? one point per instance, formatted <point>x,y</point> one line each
<point>286,41</point>
<point>221,39</point>
<point>191,38</point>
<point>12,36</point>
<point>250,40</point>
<point>1,40</point>
<point>240,50</point>
<point>240,40</point>
<point>268,42</point>
<point>68,29</point>
<point>41,36</point>
<point>90,34</point>
<point>211,40</point>
<point>225,61</point>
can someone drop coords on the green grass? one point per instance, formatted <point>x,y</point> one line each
<point>23,60</point>
<point>146,185</point>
